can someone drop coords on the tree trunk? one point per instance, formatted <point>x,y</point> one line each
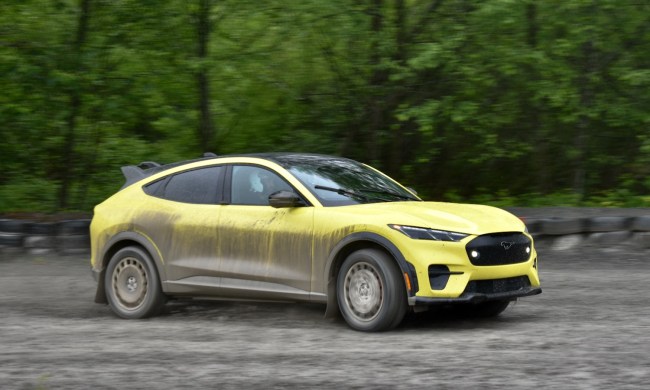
<point>586,92</point>
<point>541,153</point>
<point>398,134</point>
<point>377,79</point>
<point>67,152</point>
<point>206,128</point>
<point>580,137</point>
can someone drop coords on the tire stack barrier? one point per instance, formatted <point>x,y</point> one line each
<point>40,237</point>
<point>11,233</point>
<point>64,237</point>
<point>566,233</point>
<point>72,236</point>
<point>641,229</point>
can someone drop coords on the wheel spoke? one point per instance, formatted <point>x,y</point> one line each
<point>363,291</point>
<point>130,283</point>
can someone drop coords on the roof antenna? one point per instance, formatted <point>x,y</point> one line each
<point>209,154</point>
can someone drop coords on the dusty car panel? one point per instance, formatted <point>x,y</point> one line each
<point>281,252</point>
<point>365,245</point>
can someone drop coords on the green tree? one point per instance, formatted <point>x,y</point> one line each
<point>498,100</point>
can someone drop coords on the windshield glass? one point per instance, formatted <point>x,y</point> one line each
<point>338,181</point>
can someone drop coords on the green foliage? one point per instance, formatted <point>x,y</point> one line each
<point>29,195</point>
<point>500,102</point>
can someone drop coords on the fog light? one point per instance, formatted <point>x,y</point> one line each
<point>527,250</point>
<point>475,254</point>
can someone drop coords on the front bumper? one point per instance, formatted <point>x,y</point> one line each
<point>445,274</point>
<point>474,297</point>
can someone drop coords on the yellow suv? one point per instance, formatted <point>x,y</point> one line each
<point>303,227</point>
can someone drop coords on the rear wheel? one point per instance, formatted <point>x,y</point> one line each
<point>132,285</point>
<point>370,291</point>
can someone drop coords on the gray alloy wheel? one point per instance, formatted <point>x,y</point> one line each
<point>132,285</point>
<point>370,291</point>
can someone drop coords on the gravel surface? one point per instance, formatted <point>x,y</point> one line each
<point>590,329</point>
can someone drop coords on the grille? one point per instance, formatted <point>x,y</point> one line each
<point>497,286</point>
<point>499,249</point>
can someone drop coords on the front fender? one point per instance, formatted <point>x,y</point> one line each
<point>346,246</point>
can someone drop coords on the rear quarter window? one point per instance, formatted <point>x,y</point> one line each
<point>197,186</point>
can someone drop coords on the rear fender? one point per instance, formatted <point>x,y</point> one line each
<point>122,240</point>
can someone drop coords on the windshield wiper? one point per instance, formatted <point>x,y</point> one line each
<point>354,194</point>
<point>343,191</point>
<point>391,193</point>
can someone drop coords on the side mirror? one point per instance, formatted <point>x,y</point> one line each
<point>282,199</point>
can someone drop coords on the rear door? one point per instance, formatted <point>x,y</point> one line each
<point>184,222</point>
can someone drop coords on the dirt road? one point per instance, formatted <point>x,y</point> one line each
<point>590,329</point>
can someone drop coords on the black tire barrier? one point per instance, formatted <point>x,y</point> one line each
<point>565,242</point>
<point>39,242</point>
<point>41,228</point>
<point>12,225</point>
<point>610,238</point>
<point>641,240</point>
<point>70,236</point>
<point>12,240</point>
<point>75,243</point>
<point>641,224</point>
<point>74,227</point>
<point>607,224</point>
<point>561,227</point>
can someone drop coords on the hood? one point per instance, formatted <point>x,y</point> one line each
<point>456,217</point>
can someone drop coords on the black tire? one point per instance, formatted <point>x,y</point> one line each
<point>481,310</point>
<point>370,291</point>
<point>641,223</point>
<point>65,243</point>
<point>561,226</point>
<point>132,285</point>
<point>74,227</point>
<point>14,240</point>
<point>41,229</point>
<point>12,226</point>
<point>607,224</point>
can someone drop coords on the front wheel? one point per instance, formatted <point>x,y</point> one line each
<point>370,291</point>
<point>132,285</point>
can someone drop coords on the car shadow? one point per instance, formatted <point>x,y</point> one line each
<point>298,315</point>
<point>447,319</point>
<point>280,313</point>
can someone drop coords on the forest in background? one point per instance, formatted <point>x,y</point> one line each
<point>502,102</point>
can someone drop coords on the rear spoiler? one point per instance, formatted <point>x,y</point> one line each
<point>135,173</point>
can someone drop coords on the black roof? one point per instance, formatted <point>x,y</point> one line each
<point>135,173</point>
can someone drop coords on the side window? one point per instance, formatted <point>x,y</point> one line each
<point>200,186</point>
<point>253,185</point>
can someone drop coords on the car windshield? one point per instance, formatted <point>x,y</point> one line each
<point>339,182</point>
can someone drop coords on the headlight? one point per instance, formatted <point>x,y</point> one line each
<point>419,233</point>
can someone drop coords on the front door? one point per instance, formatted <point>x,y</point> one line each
<point>264,252</point>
